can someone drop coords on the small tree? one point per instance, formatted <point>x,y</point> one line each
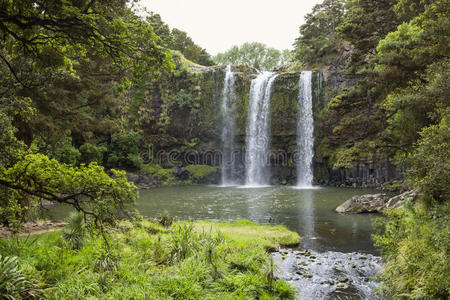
<point>86,188</point>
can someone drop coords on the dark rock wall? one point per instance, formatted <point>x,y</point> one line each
<point>193,132</point>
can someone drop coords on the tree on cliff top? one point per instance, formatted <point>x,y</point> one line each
<point>254,54</point>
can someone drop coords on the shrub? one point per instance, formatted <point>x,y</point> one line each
<point>67,154</point>
<point>429,164</point>
<point>13,284</point>
<point>166,176</point>
<point>91,153</point>
<point>166,220</point>
<point>74,233</point>
<point>415,245</point>
<point>200,171</point>
<point>123,151</point>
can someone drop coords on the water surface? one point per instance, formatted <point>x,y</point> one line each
<point>310,212</point>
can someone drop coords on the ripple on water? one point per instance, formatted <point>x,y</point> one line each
<point>329,275</point>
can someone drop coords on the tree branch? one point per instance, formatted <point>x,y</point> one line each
<point>11,69</point>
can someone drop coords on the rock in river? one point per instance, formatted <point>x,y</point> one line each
<point>374,203</point>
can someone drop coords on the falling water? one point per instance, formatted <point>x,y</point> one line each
<point>228,127</point>
<point>305,132</point>
<point>258,133</point>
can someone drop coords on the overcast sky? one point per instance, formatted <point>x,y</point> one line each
<point>217,25</point>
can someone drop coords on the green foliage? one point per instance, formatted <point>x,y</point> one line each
<point>183,242</point>
<point>12,148</point>
<point>254,54</point>
<point>429,163</point>
<point>365,35</point>
<point>408,9</point>
<point>161,29</point>
<point>200,171</point>
<point>318,42</point>
<point>13,283</point>
<point>65,153</point>
<point>415,244</point>
<point>414,61</point>
<point>179,40</point>
<point>166,176</point>
<point>166,220</point>
<point>91,153</point>
<point>64,67</point>
<point>183,43</point>
<point>75,232</point>
<point>124,150</point>
<point>184,99</point>
<point>248,232</point>
<point>184,262</point>
<point>87,188</point>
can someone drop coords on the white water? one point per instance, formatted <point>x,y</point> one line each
<point>305,132</point>
<point>258,133</point>
<point>329,275</point>
<point>228,127</point>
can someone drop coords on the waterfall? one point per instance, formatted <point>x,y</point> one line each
<point>305,131</point>
<point>258,132</point>
<point>228,127</point>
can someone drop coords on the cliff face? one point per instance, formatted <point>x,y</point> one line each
<point>187,126</point>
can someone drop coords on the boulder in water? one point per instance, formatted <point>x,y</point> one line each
<point>375,203</point>
<point>363,204</point>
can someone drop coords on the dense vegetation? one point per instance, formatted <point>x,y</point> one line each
<point>256,55</point>
<point>85,84</point>
<point>398,54</point>
<point>146,260</point>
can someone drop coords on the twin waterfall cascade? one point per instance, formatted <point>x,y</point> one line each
<point>228,127</point>
<point>305,132</point>
<point>258,131</point>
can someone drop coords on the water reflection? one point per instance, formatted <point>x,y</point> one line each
<point>306,220</point>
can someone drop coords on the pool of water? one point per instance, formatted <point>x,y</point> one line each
<point>310,212</point>
<point>338,261</point>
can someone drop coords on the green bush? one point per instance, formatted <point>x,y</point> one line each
<point>123,151</point>
<point>75,232</point>
<point>200,171</point>
<point>429,164</point>
<point>13,283</point>
<point>415,246</point>
<point>91,153</point>
<point>67,154</point>
<point>166,176</point>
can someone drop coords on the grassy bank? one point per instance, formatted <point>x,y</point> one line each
<point>144,260</point>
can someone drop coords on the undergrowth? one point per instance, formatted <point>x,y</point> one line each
<point>415,245</point>
<point>145,260</point>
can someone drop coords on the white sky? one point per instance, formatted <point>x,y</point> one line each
<point>217,25</point>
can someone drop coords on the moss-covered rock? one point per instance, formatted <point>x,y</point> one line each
<point>202,173</point>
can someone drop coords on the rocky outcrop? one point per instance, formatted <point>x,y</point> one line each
<point>374,174</point>
<point>375,203</point>
<point>399,200</point>
<point>363,204</point>
<point>181,120</point>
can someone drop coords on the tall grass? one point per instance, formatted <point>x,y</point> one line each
<point>415,244</point>
<point>149,261</point>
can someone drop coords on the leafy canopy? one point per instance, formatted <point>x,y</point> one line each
<point>254,54</point>
<point>87,188</point>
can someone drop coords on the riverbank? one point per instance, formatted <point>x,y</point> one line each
<point>200,260</point>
